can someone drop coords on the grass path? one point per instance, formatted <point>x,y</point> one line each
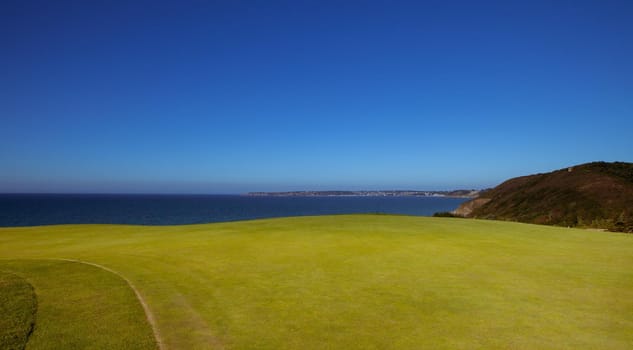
<point>148,313</point>
<point>82,307</point>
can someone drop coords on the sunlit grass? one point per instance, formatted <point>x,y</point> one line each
<point>80,307</point>
<point>354,282</point>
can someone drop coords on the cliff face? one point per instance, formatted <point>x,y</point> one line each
<point>467,208</point>
<point>589,195</point>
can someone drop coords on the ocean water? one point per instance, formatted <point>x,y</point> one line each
<point>48,209</point>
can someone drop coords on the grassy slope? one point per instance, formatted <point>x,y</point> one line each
<point>363,282</point>
<point>17,307</point>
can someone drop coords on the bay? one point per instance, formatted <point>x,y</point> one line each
<point>49,209</point>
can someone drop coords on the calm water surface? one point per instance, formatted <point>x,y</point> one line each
<point>32,209</point>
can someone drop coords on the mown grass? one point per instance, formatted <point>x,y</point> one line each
<point>81,307</point>
<point>18,305</point>
<point>360,281</point>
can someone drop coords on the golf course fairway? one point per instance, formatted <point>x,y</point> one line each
<point>323,282</point>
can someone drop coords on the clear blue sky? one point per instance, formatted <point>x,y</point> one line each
<point>234,96</point>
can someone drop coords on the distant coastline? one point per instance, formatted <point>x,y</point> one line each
<point>385,193</point>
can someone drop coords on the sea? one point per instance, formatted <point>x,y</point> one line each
<point>51,209</point>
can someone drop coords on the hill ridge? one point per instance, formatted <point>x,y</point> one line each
<point>596,194</point>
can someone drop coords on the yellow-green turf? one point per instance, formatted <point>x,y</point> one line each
<point>334,282</point>
<point>81,307</point>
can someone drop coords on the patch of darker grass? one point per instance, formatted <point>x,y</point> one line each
<point>18,306</point>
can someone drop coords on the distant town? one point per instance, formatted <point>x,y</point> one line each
<point>389,193</point>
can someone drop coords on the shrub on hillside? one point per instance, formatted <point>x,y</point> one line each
<point>446,214</point>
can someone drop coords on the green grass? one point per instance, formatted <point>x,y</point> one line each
<point>17,307</point>
<point>342,282</point>
<point>80,306</point>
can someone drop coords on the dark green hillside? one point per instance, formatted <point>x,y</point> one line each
<point>596,194</point>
